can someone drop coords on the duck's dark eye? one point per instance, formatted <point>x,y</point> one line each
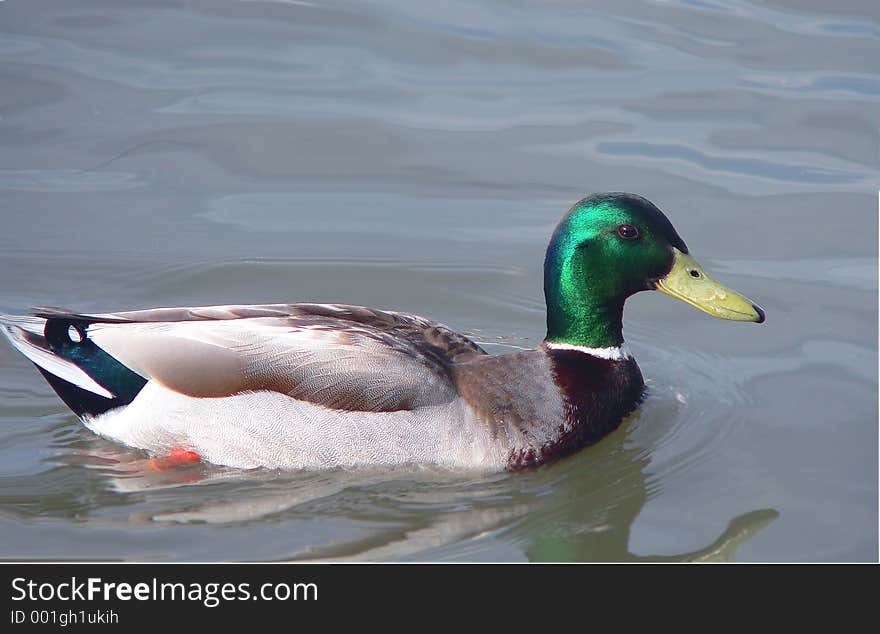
<point>627,232</point>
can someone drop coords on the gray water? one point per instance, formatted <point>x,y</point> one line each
<point>416,156</point>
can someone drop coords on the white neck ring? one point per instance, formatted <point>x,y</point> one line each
<point>612,353</point>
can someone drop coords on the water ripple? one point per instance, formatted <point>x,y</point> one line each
<point>751,166</point>
<point>61,180</point>
<point>817,85</point>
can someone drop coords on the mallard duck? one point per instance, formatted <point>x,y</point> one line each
<point>295,386</point>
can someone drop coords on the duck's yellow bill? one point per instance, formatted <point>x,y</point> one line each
<point>688,282</point>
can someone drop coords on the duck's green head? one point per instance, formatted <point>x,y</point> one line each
<point>609,246</point>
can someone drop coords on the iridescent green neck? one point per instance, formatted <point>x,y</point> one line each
<point>582,273</point>
<point>577,314</point>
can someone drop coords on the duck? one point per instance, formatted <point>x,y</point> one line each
<point>321,386</point>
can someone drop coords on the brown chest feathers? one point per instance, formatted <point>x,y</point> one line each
<point>548,403</point>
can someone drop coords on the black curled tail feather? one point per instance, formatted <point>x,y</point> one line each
<point>82,402</point>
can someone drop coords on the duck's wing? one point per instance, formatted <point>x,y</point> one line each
<point>338,356</point>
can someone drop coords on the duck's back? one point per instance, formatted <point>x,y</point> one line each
<point>285,385</point>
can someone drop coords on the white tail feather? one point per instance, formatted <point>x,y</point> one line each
<point>13,326</point>
<point>25,322</point>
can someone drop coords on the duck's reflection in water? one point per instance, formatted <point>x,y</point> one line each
<point>579,509</point>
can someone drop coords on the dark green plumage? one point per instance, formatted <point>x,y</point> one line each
<point>122,382</point>
<point>589,270</point>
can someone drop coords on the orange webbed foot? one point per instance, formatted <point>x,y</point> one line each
<point>176,458</point>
